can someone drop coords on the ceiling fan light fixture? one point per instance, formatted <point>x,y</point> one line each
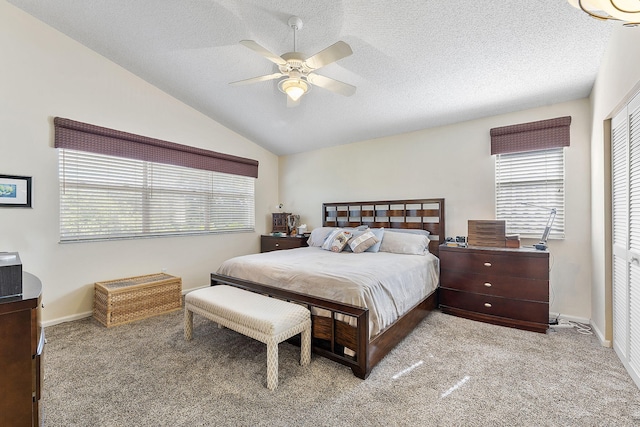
<point>293,87</point>
<point>627,11</point>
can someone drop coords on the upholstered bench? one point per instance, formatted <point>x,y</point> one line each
<point>268,320</point>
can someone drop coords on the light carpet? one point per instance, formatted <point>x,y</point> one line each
<point>448,372</point>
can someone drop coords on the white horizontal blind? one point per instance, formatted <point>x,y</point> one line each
<point>528,185</point>
<point>104,197</point>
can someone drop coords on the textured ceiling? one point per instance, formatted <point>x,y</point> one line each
<point>416,64</point>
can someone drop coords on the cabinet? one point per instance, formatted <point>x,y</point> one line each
<point>508,287</point>
<point>275,243</point>
<point>21,353</point>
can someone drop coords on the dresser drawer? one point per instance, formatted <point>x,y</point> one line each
<point>491,284</point>
<point>529,311</point>
<point>493,263</point>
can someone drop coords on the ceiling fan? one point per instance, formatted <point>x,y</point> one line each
<point>298,70</point>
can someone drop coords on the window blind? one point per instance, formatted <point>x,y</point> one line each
<point>528,185</point>
<point>108,197</point>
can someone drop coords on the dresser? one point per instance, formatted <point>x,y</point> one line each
<point>21,353</point>
<point>270,243</point>
<point>503,286</point>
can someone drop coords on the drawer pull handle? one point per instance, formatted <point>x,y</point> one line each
<point>487,264</point>
<point>487,284</point>
<point>277,245</point>
<point>486,304</point>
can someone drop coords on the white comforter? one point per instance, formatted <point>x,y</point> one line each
<point>387,284</point>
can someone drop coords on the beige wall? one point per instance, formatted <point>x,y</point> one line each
<point>45,74</point>
<point>618,78</point>
<point>453,162</point>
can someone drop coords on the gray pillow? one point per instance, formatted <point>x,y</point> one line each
<point>404,243</point>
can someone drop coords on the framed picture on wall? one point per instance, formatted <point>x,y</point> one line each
<point>15,191</point>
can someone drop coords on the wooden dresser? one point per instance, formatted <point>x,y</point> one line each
<point>508,287</point>
<point>270,243</point>
<point>21,352</point>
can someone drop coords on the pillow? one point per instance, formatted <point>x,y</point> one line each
<point>329,239</point>
<point>404,243</point>
<point>379,233</point>
<point>356,232</point>
<point>409,231</point>
<point>340,240</point>
<point>362,242</point>
<point>319,235</point>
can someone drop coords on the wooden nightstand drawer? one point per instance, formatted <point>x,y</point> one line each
<point>274,243</point>
<point>494,284</point>
<point>529,311</point>
<point>489,262</point>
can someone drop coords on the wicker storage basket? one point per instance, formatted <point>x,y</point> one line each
<point>124,300</point>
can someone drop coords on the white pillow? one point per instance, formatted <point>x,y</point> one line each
<point>404,243</point>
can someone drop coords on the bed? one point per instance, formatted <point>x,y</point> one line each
<point>362,304</point>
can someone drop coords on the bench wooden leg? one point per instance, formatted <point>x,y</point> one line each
<point>272,364</point>
<point>188,324</point>
<point>305,347</point>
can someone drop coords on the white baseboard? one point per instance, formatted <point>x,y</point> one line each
<point>600,335</point>
<point>79,316</point>
<point>70,318</point>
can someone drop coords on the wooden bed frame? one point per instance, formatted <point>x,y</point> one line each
<point>330,334</point>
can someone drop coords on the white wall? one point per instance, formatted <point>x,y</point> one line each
<point>618,78</point>
<point>45,74</point>
<point>453,162</point>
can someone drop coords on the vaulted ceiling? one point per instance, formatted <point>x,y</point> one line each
<point>416,63</point>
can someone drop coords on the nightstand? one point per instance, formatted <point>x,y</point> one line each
<point>270,243</point>
<point>503,286</point>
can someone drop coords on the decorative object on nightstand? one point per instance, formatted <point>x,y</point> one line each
<point>508,287</point>
<point>279,221</point>
<point>292,223</point>
<point>486,233</point>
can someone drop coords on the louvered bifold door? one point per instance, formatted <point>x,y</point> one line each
<point>633,256</point>
<point>620,218</point>
<point>625,197</point>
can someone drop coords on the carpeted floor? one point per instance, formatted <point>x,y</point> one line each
<point>448,372</point>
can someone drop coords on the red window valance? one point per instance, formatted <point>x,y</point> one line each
<point>540,135</point>
<point>95,139</point>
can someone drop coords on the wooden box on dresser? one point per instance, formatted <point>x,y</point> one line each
<point>21,352</point>
<point>503,286</point>
<point>270,243</point>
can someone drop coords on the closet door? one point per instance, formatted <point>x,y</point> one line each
<point>620,232</point>
<point>633,255</point>
<point>626,236</point>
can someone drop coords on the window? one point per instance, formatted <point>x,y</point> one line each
<point>148,188</point>
<point>528,186</point>
<point>530,168</point>
<point>105,197</point>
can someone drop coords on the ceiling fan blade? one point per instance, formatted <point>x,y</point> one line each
<point>331,84</point>
<point>257,79</point>
<point>331,54</point>
<point>264,52</point>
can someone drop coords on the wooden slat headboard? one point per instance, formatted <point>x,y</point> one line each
<point>424,214</point>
